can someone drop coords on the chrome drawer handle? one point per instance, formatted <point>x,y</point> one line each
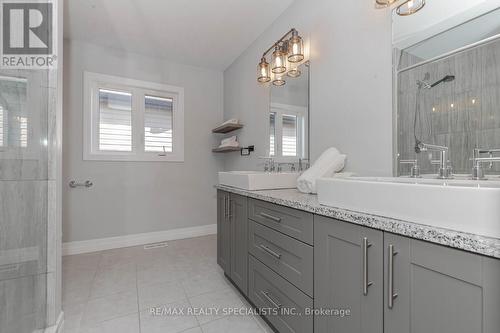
<point>364,250</point>
<point>270,217</point>
<point>392,294</point>
<point>267,295</point>
<point>271,252</point>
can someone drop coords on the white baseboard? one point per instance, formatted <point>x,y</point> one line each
<point>101,244</point>
<point>58,327</point>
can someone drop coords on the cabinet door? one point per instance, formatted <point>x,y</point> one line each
<point>348,275</point>
<point>239,239</point>
<point>223,232</point>
<point>439,289</point>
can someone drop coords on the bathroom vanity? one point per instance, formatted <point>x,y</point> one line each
<point>359,272</point>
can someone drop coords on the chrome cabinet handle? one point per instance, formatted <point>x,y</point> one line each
<point>364,250</point>
<point>271,252</point>
<point>267,295</point>
<point>75,184</point>
<point>270,217</point>
<point>392,294</point>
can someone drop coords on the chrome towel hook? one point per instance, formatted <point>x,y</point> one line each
<point>74,184</point>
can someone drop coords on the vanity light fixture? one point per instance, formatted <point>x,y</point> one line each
<point>279,60</point>
<point>294,70</point>
<point>278,80</point>
<point>410,7</point>
<point>263,71</point>
<point>296,53</point>
<point>287,54</point>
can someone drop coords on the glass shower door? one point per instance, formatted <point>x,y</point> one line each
<point>24,200</point>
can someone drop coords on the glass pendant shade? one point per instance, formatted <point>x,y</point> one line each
<point>410,7</point>
<point>263,74</point>
<point>296,48</point>
<point>279,61</point>
<point>278,80</point>
<point>293,70</point>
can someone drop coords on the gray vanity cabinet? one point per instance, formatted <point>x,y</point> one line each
<point>232,237</point>
<point>238,218</point>
<point>439,289</point>
<point>223,232</point>
<point>348,274</point>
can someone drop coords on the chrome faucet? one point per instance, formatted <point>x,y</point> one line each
<point>477,168</point>
<point>445,170</point>
<point>303,166</point>
<point>415,169</point>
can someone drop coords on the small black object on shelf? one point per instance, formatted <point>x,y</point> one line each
<point>245,151</point>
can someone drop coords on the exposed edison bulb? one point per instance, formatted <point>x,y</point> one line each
<point>473,101</point>
<point>263,71</point>
<point>279,60</point>
<point>452,105</point>
<point>433,109</point>
<point>410,7</point>
<point>296,48</point>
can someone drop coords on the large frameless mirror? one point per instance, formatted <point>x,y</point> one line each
<point>289,118</point>
<point>447,93</point>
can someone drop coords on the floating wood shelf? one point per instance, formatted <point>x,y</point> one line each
<point>226,128</point>
<point>226,149</point>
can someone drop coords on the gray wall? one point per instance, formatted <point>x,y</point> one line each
<point>351,84</point>
<point>137,197</point>
<point>465,126</point>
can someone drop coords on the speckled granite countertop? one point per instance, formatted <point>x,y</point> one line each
<point>309,203</point>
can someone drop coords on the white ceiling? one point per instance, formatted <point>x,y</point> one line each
<point>205,33</point>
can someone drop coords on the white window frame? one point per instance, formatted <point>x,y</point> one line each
<point>139,89</point>
<point>300,112</point>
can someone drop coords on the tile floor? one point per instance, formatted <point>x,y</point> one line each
<point>113,291</point>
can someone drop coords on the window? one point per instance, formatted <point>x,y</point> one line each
<point>272,134</point>
<point>287,131</point>
<point>132,120</point>
<point>289,135</point>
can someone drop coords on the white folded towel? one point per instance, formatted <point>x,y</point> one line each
<point>230,142</point>
<point>329,163</point>
<point>232,139</point>
<point>231,121</point>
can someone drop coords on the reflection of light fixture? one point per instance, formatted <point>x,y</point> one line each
<point>433,109</point>
<point>410,7</point>
<point>287,55</point>
<point>296,53</point>
<point>263,71</point>
<point>279,60</point>
<point>452,105</point>
<point>385,3</point>
<point>473,101</point>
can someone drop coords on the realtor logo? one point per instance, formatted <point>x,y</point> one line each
<point>28,34</point>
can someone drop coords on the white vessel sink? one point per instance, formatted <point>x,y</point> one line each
<point>461,205</point>
<point>256,180</point>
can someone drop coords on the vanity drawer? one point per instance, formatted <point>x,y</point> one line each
<point>292,222</point>
<point>287,256</point>
<point>283,302</point>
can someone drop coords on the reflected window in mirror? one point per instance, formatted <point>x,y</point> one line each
<point>272,134</point>
<point>289,119</point>
<point>16,132</point>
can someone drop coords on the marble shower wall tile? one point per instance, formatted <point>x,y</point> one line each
<point>462,114</point>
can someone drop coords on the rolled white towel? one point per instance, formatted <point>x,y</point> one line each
<point>329,163</point>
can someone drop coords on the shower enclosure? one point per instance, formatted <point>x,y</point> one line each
<point>27,200</point>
